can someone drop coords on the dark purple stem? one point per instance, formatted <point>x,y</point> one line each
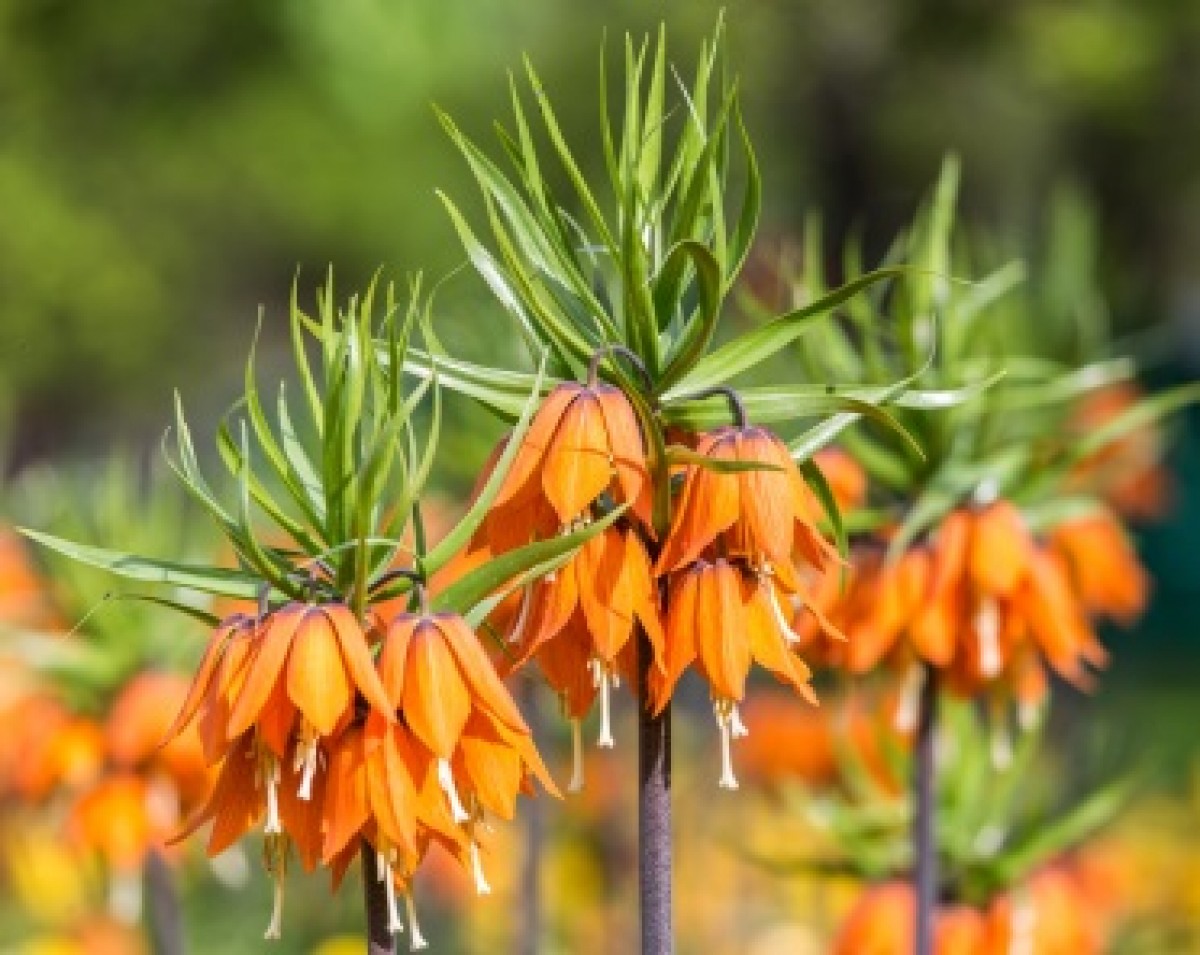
<point>654,813</point>
<point>379,936</point>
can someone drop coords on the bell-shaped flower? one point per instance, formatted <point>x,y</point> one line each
<point>579,622</point>
<point>720,618</point>
<point>583,442</point>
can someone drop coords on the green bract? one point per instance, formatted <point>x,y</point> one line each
<point>991,378</point>
<point>326,500</point>
<point>635,279</point>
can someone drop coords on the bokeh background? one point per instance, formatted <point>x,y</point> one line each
<point>166,169</point>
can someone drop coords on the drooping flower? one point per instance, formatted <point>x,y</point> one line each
<point>468,738</point>
<point>292,677</point>
<point>583,442</point>
<point>579,624</point>
<point>763,516</point>
<point>721,617</point>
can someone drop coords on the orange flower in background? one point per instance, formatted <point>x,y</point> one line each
<point>24,599</point>
<point>116,819</point>
<point>845,477</point>
<point>1128,472</point>
<point>1048,915</point>
<point>138,723</point>
<point>1104,567</point>
<point>987,602</point>
<point>68,753</point>
<point>584,441</point>
<point>802,744</point>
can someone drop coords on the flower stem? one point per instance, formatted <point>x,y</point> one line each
<point>654,813</point>
<point>162,906</point>
<point>925,869</point>
<point>379,934</point>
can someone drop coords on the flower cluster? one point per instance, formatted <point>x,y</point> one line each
<point>328,732</point>
<point>717,591</point>
<point>987,602</point>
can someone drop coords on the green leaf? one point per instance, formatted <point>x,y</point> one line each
<point>477,585</point>
<point>747,350</point>
<point>465,529</point>
<point>677,455</point>
<point>212,580</point>
<point>820,487</point>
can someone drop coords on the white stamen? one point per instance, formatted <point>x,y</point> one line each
<point>274,930</point>
<point>987,626</point>
<point>910,698</point>
<point>481,882</point>
<point>1002,752</point>
<point>576,783</point>
<point>605,740</point>
<point>739,729</point>
<point>781,621</point>
<point>1029,713</point>
<point>518,630</point>
<point>125,898</point>
<point>615,679</point>
<point>273,824</point>
<point>416,939</point>
<point>382,869</point>
<point>310,772</point>
<point>446,781</point>
<point>727,780</point>
<point>395,923</point>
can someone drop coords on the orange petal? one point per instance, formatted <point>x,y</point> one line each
<point>999,550</point>
<point>346,809</point>
<point>361,668</point>
<point>606,592</point>
<point>537,439</point>
<point>577,468</point>
<point>316,678</point>
<point>270,654</point>
<point>624,442</point>
<point>710,504</point>
<point>393,656</point>
<point>302,818</point>
<point>436,704</point>
<point>228,630</point>
<point>237,801</point>
<point>478,671</point>
<point>680,633</point>
<point>766,496</point>
<point>720,623</point>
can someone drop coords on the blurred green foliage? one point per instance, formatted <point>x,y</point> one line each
<point>164,170</point>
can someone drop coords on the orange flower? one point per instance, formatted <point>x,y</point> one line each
<point>763,516</point>
<point>1104,566</point>
<point>985,602</point>
<point>114,819</point>
<point>1128,472</point>
<point>291,676</point>
<point>579,623</point>
<point>583,441</point>
<point>468,738</point>
<point>722,618</point>
<point>137,724</point>
<point>845,477</point>
<point>1047,916</point>
<point>1050,915</point>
